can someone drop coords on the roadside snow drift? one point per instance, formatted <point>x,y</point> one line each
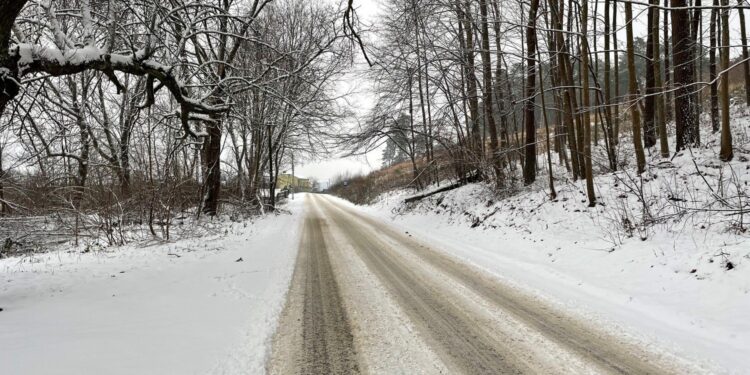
<point>671,289</point>
<point>198,306</point>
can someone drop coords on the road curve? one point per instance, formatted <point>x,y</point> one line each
<point>473,323</point>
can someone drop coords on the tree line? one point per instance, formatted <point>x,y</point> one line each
<point>149,107</point>
<point>496,89</point>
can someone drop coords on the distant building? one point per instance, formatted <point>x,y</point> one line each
<point>286,180</point>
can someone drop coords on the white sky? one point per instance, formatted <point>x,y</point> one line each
<point>360,101</point>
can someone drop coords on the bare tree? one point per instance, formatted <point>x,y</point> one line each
<point>635,114</point>
<point>726,153</point>
<point>686,122</point>
<point>529,168</point>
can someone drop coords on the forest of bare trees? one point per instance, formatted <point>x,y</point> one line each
<point>497,90</point>
<point>135,110</point>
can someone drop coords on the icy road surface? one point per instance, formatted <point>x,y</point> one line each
<point>368,298</point>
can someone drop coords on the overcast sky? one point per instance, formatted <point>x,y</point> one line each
<point>360,100</point>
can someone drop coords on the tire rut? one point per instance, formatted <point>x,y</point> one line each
<point>464,345</point>
<point>314,334</point>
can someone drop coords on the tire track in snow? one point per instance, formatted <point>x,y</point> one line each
<point>314,335</point>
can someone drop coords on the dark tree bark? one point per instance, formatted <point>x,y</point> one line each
<point>649,111</point>
<point>8,78</point>
<point>529,168</point>
<point>659,116</point>
<point>633,92</point>
<point>618,94</point>
<point>697,60</point>
<point>726,153</point>
<point>712,77</point>
<point>124,177</point>
<point>608,84</point>
<point>745,54</point>
<point>682,56</point>
<point>212,168</point>
<point>576,81</point>
<point>667,69</point>
<point>4,207</point>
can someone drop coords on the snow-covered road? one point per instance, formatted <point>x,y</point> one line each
<point>405,307</point>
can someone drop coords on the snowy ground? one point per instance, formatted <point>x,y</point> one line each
<point>675,275</point>
<point>188,307</point>
<point>646,290</point>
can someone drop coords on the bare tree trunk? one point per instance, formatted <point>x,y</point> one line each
<point>4,207</point>
<point>489,119</point>
<point>682,56</point>
<point>586,104</point>
<point>529,168</point>
<point>617,73</point>
<point>554,74</point>
<point>608,86</point>
<point>569,102</point>
<point>595,72</point>
<point>467,150</point>
<point>212,168</point>
<point>726,153</point>
<point>712,77</point>
<point>471,83</point>
<point>499,96</point>
<point>745,54</point>
<point>668,115</point>
<point>271,172</point>
<point>552,192</point>
<point>633,91</point>
<point>697,61</point>
<point>581,122</point>
<point>9,76</point>
<point>649,112</point>
<point>659,116</point>
<point>126,133</point>
<point>420,89</point>
<point>412,141</point>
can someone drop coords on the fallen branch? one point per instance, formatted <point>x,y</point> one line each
<point>456,185</point>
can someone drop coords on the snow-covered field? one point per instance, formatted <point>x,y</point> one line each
<point>188,307</point>
<point>674,275</point>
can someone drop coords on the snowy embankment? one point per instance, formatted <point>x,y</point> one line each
<point>199,306</point>
<point>665,259</point>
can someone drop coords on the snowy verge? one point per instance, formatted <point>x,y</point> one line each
<point>197,306</point>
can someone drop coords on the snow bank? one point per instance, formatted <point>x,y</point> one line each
<point>207,305</point>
